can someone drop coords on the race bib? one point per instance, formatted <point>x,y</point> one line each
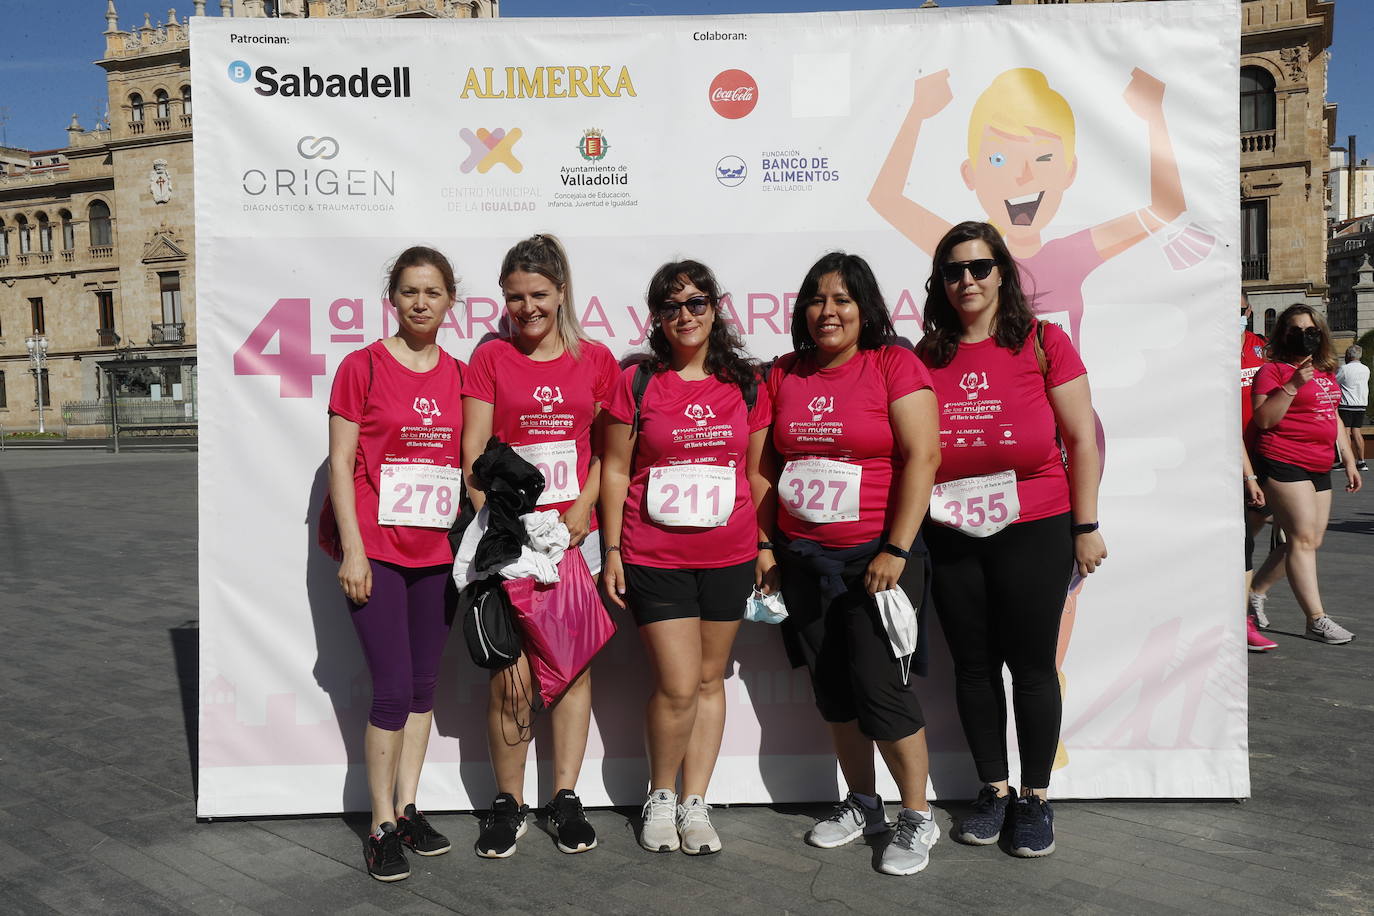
<point>419,495</point>
<point>976,506</point>
<point>557,461</point>
<point>690,495</point>
<point>820,491</point>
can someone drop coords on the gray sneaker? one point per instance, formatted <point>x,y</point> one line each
<point>1326,630</point>
<point>909,851</point>
<point>851,818</point>
<point>699,838</point>
<point>659,832</point>
<point>1257,610</point>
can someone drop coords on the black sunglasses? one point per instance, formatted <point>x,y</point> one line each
<point>697,305</point>
<point>953,271</point>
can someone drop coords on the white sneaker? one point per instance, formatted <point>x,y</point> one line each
<point>851,819</point>
<point>1326,630</point>
<point>659,831</point>
<point>699,838</point>
<point>1257,610</point>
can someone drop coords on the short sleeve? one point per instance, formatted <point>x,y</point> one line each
<point>902,372</point>
<point>621,405</point>
<point>761,416</point>
<point>348,397</point>
<point>607,374</point>
<point>781,366</point>
<point>480,380</point>
<point>1065,364</point>
<point>1269,377</point>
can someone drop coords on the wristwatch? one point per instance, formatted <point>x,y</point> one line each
<point>1085,528</point>
<point>897,551</point>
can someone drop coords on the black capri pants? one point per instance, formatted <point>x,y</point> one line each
<point>1000,600</point>
<point>845,648</point>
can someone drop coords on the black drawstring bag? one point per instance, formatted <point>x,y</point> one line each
<point>489,624</point>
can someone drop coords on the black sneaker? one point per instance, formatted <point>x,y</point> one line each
<point>502,826</point>
<point>984,823</point>
<point>565,813</point>
<point>385,860</point>
<point>1032,830</point>
<point>415,831</point>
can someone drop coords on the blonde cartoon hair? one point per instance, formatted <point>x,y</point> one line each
<point>1016,101</point>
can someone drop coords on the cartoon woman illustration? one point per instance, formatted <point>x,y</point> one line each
<point>1021,161</point>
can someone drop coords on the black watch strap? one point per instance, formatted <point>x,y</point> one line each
<point>897,551</point>
<point>1085,528</point>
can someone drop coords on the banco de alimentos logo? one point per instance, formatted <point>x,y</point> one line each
<point>490,148</point>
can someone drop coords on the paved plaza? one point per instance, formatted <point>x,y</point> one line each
<point>98,738</point>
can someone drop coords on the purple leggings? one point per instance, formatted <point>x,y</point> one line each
<point>402,629</point>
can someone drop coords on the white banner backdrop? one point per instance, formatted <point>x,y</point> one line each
<point>752,143</point>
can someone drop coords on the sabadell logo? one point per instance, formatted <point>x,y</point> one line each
<point>734,94</point>
<point>360,84</point>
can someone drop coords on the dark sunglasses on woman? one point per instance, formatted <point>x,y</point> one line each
<point>953,271</point>
<point>697,305</point>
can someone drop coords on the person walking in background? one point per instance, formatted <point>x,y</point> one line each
<point>1252,348</point>
<point>1353,378</point>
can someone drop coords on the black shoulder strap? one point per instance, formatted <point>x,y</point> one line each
<point>750,390</point>
<point>638,386</point>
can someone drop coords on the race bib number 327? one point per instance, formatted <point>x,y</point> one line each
<point>419,495</point>
<point>820,491</point>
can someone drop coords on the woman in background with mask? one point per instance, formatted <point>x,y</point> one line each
<point>1295,396</point>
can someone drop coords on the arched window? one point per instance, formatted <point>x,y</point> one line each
<point>185,101</point>
<point>44,234</point>
<point>99,216</point>
<point>1256,99</point>
<point>136,108</point>
<point>68,230</point>
<point>25,239</point>
<point>164,110</point>
<point>1271,316</point>
<point>4,240</point>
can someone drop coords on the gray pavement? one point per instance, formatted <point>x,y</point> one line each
<point>98,740</point>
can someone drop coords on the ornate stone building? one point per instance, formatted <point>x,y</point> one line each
<point>97,240</point>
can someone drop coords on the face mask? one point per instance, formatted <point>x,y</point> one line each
<point>1245,322</point>
<point>1307,341</point>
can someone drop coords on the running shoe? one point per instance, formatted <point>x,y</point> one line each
<point>1032,827</point>
<point>502,826</point>
<point>909,851</point>
<point>1361,465</point>
<point>659,830</point>
<point>1256,603</point>
<point>382,852</point>
<point>699,838</point>
<point>983,825</point>
<point>1326,630</point>
<point>574,832</point>
<point>1256,641</point>
<point>415,832</point>
<point>851,818</point>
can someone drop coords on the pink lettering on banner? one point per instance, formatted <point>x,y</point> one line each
<point>489,316</point>
<point>347,315</point>
<point>765,316</point>
<point>641,320</point>
<point>594,316</point>
<point>727,306</point>
<point>907,310</point>
<point>293,362</point>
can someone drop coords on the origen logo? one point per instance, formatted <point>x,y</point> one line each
<point>317,147</point>
<point>734,94</point>
<point>731,171</point>
<point>240,72</point>
<point>488,148</point>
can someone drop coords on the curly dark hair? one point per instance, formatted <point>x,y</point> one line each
<point>1012,324</point>
<point>1278,349</point>
<point>725,355</point>
<point>876,329</point>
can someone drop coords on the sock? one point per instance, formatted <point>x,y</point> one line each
<point>868,801</point>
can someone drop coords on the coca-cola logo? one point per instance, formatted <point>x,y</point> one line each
<point>734,94</point>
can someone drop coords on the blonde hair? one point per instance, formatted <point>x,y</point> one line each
<point>543,254</point>
<point>1016,101</point>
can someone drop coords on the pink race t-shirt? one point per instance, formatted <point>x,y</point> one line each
<point>1306,436</point>
<point>995,416</point>
<point>841,414</point>
<point>403,417</point>
<point>545,409</point>
<point>682,423</point>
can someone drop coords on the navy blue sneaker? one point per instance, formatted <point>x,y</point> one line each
<point>1032,827</point>
<point>985,822</point>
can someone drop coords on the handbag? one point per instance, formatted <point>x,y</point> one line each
<point>564,624</point>
<point>488,624</point>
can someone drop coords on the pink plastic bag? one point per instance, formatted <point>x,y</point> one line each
<point>564,624</point>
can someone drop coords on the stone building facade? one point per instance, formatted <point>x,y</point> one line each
<point>97,240</point>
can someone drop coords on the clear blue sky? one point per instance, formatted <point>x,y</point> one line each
<point>46,72</point>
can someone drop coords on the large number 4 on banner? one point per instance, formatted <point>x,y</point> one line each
<point>293,362</point>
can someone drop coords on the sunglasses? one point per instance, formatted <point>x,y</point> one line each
<point>953,271</point>
<point>697,305</point>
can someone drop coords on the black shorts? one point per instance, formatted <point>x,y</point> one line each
<point>654,594</point>
<point>1283,472</point>
<point>845,648</point>
<point>1352,417</point>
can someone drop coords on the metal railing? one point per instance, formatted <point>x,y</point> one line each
<point>168,333</point>
<point>1255,267</point>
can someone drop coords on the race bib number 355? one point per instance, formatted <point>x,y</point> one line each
<point>690,495</point>
<point>977,506</point>
<point>820,491</point>
<point>419,495</point>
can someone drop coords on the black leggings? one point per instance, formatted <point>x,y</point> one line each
<point>1000,599</point>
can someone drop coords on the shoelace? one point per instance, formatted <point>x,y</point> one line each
<point>390,847</point>
<point>567,808</point>
<point>659,809</point>
<point>843,808</point>
<point>420,826</point>
<point>906,832</point>
<point>696,813</point>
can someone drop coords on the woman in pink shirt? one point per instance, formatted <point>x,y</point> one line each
<point>539,390</point>
<point>395,481</point>
<point>1295,396</point>
<point>680,486</point>
<point>1011,515</point>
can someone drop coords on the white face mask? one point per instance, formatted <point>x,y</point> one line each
<point>1245,322</point>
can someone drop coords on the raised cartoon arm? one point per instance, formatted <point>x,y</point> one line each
<point>1144,95</point>
<point>888,195</point>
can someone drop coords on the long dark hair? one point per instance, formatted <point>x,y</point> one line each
<point>1278,349</point>
<point>725,356</point>
<point>1011,326</point>
<point>876,328</point>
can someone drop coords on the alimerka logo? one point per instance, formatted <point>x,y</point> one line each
<point>489,148</point>
<point>546,83</point>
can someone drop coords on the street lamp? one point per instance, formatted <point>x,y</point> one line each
<point>38,354</point>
